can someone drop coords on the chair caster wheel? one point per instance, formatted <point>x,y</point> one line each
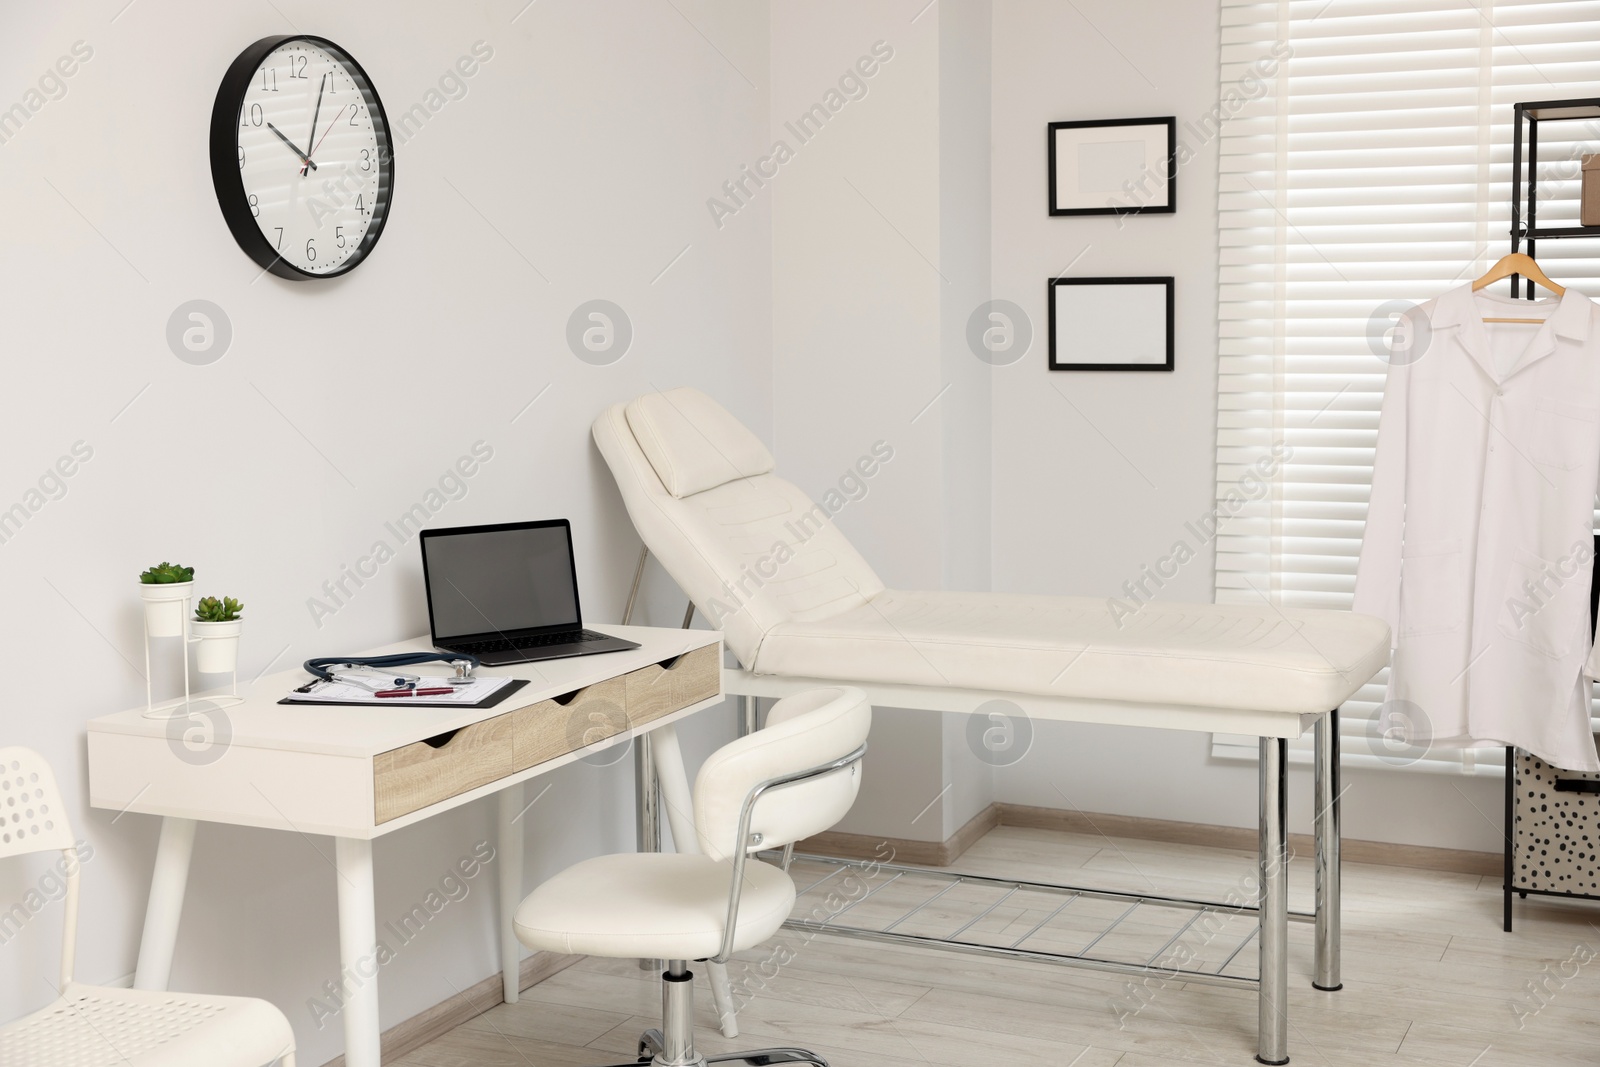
<point>650,1043</point>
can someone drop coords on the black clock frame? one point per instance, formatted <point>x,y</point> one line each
<point>225,169</point>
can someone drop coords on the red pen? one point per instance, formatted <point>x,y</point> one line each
<point>438,692</point>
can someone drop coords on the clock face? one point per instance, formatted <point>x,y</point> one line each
<point>305,185</point>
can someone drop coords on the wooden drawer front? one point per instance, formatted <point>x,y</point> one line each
<point>655,691</point>
<point>412,777</point>
<point>552,728</point>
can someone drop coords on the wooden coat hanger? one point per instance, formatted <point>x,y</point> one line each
<point>1523,264</point>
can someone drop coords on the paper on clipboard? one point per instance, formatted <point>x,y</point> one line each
<point>324,692</point>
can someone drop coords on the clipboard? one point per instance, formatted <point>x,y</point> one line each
<point>306,694</point>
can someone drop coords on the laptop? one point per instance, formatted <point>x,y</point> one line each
<point>508,593</point>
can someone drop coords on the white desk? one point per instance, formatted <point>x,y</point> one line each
<point>356,773</point>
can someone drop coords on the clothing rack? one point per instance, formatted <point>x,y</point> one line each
<point>1541,851</point>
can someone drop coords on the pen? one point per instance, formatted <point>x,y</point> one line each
<point>437,692</point>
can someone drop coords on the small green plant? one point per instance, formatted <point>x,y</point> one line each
<point>167,574</point>
<point>210,609</point>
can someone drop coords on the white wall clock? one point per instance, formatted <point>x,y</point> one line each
<point>301,157</point>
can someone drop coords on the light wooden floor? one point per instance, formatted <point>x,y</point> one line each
<point>1429,979</point>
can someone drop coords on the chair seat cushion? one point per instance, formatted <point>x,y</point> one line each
<point>94,1027</point>
<point>652,905</point>
<point>1246,656</point>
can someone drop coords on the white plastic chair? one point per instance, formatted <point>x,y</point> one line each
<point>796,778</point>
<point>93,1026</point>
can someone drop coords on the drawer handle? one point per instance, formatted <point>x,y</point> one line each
<point>440,740</point>
<point>566,698</point>
<point>1577,785</point>
<point>671,661</point>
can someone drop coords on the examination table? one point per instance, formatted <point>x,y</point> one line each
<point>800,608</point>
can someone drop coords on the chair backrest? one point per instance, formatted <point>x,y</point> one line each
<point>804,731</point>
<point>750,549</point>
<point>33,819</point>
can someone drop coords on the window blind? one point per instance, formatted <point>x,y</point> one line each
<point>1365,164</point>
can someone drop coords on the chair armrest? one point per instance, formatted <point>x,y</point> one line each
<point>746,813</point>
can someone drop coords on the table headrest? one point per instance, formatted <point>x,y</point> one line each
<point>693,443</point>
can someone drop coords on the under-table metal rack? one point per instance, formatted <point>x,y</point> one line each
<point>992,920</point>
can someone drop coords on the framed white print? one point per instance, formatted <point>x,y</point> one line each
<point>1114,167</point>
<point>1111,323</point>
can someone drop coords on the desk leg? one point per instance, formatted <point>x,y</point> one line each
<point>358,951</point>
<point>1272,1034</point>
<point>510,859</point>
<point>648,804</point>
<point>676,798</point>
<point>647,812</point>
<point>164,909</point>
<point>673,782</point>
<point>1326,798</point>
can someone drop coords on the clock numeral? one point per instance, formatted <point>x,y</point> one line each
<point>279,245</point>
<point>355,113</point>
<point>338,236</point>
<point>361,207</point>
<point>311,251</point>
<point>255,206</point>
<point>269,79</point>
<point>297,66</point>
<point>254,117</point>
<point>241,157</point>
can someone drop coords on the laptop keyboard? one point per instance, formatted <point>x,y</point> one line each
<point>507,644</point>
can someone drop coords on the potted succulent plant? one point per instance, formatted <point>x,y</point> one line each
<point>216,626</point>
<point>164,588</point>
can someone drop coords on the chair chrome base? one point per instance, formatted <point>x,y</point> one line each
<point>649,1049</point>
<point>673,1044</point>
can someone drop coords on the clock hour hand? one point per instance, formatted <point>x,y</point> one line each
<point>304,159</point>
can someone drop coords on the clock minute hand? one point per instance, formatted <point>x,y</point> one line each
<point>305,159</point>
<point>322,87</point>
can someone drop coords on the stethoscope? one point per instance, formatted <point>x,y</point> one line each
<point>375,673</point>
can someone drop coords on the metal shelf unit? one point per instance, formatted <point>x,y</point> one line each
<point>1525,195</point>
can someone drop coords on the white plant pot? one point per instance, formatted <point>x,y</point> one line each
<point>164,607</point>
<point>218,651</point>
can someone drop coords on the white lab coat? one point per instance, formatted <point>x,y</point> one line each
<point>1479,532</point>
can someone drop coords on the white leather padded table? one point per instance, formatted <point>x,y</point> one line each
<point>357,773</point>
<point>800,607</point>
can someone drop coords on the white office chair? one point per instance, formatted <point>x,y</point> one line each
<point>92,1026</point>
<point>793,779</point>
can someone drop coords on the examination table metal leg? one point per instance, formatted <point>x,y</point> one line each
<point>1326,798</point>
<point>168,883</point>
<point>1272,1037</point>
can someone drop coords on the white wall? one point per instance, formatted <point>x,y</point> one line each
<point>1095,474</point>
<point>880,253</point>
<point>584,150</point>
<point>855,324</point>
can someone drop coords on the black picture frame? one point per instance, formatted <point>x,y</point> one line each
<point>229,185</point>
<point>1170,206</point>
<point>1166,282</point>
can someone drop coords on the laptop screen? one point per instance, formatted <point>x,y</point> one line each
<point>497,579</point>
